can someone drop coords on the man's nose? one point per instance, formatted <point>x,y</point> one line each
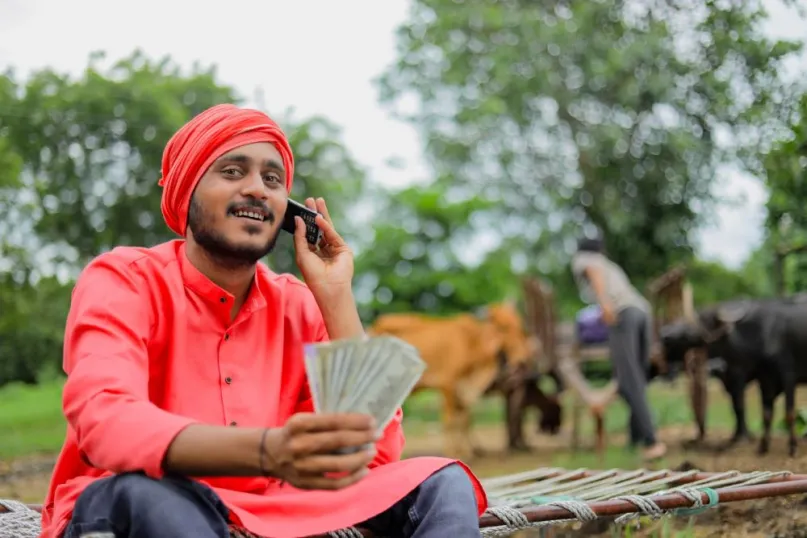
<point>253,185</point>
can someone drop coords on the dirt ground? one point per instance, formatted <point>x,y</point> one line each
<point>783,517</point>
<point>780,517</point>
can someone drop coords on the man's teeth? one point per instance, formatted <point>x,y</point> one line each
<point>249,215</point>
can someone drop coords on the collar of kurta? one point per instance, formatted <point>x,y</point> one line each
<point>194,280</point>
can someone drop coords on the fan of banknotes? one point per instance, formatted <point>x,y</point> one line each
<point>369,375</point>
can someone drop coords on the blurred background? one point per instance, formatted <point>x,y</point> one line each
<point>461,145</point>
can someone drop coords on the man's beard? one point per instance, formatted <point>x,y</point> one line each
<point>218,247</point>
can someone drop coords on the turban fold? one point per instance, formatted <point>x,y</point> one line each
<point>202,140</point>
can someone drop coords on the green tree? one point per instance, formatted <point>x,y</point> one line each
<point>785,169</point>
<point>31,328</point>
<point>759,270</point>
<point>92,148</point>
<point>712,282</point>
<point>577,112</point>
<point>418,258</point>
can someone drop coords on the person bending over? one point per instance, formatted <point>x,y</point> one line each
<point>627,315</point>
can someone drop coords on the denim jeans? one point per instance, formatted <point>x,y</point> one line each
<point>131,505</point>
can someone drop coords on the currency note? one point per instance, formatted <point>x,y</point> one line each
<point>352,374</point>
<point>377,350</point>
<point>345,354</point>
<point>390,386</point>
<point>310,358</point>
<point>369,375</point>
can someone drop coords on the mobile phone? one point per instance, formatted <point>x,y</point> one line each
<point>295,209</point>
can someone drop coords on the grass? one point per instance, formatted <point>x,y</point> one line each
<point>670,404</point>
<point>31,419</point>
<point>32,423</point>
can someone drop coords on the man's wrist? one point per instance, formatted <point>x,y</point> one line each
<point>267,457</point>
<point>264,460</point>
<point>339,312</point>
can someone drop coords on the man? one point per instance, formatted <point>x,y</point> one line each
<point>185,360</point>
<point>627,314</point>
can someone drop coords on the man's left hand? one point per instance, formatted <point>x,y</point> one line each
<point>608,314</point>
<point>328,268</point>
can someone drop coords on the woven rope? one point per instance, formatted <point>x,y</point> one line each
<point>581,510</point>
<point>514,520</point>
<point>19,522</point>
<point>645,505</point>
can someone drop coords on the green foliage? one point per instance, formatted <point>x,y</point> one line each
<point>418,262</point>
<point>712,283</point>
<point>31,328</point>
<point>31,419</point>
<point>786,178</point>
<point>612,113</point>
<point>92,149</point>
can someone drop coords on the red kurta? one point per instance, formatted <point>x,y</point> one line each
<point>149,349</point>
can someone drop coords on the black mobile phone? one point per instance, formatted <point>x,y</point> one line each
<point>295,209</point>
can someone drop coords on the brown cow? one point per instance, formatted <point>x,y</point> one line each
<point>462,354</point>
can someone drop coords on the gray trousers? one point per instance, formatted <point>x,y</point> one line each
<point>629,343</point>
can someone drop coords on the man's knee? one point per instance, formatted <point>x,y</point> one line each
<point>451,480</point>
<point>131,490</point>
<point>135,500</point>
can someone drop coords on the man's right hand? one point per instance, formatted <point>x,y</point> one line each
<point>304,451</point>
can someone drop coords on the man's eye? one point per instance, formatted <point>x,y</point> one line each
<point>271,178</point>
<point>230,171</point>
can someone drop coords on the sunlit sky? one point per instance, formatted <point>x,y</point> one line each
<point>318,56</point>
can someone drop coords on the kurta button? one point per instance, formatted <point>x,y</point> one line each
<point>233,423</point>
<point>226,336</point>
<point>228,380</point>
<point>223,299</point>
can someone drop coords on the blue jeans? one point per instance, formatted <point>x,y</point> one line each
<point>132,505</point>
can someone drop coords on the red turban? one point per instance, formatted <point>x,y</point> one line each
<point>202,140</point>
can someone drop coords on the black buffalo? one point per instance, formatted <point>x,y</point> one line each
<point>759,340</point>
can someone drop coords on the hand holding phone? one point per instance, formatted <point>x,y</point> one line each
<point>295,209</point>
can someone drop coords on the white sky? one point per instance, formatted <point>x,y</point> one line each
<point>318,56</point>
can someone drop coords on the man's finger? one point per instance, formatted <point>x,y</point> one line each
<point>300,242</point>
<point>323,208</point>
<point>305,444</point>
<point>329,234</point>
<point>319,422</point>
<point>347,463</point>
